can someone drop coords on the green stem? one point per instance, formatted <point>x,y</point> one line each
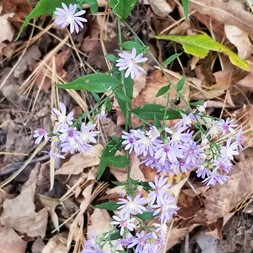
<point>128,107</point>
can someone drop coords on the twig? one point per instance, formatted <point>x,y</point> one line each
<point>10,168</point>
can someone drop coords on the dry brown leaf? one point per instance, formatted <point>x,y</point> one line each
<point>240,39</point>
<point>99,223</point>
<point>6,29</point>
<point>38,245</point>
<point>78,162</point>
<point>222,199</point>
<point>230,12</point>
<point>10,241</point>
<point>26,221</point>
<point>161,8</point>
<point>247,81</point>
<point>56,244</point>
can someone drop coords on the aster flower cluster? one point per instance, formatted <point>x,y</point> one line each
<point>155,199</point>
<point>185,147</point>
<point>66,137</point>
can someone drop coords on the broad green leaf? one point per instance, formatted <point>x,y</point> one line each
<point>129,45</point>
<point>93,83</point>
<point>171,59</point>
<point>93,5</point>
<point>111,206</point>
<point>42,8</point>
<point>201,44</point>
<point>148,111</point>
<point>162,90</point>
<point>129,86</point>
<point>122,8</point>
<point>145,216</point>
<point>185,4</point>
<point>111,57</point>
<point>181,83</point>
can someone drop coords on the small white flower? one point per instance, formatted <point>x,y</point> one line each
<point>68,16</point>
<point>129,62</point>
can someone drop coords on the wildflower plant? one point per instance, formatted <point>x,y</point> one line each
<point>196,143</point>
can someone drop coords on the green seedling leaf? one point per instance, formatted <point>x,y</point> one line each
<point>122,8</point>
<point>162,90</point>
<point>97,83</point>
<point>148,111</point>
<point>171,59</point>
<point>201,44</point>
<point>111,206</point>
<point>118,161</point>
<point>181,83</point>
<point>185,4</point>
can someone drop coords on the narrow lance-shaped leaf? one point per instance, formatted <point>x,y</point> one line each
<point>185,4</point>
<point>201,44</point>
<point>111,206</point>
<point>148,111</point>
<point>171,59</point>
<point>181,83</point>
<point>97,83</point>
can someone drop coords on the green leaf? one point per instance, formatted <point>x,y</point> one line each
<point>148,111</point>
<point>42,8</point>
<point>129,45</point>
<point>145,216</point>
<point>111,57</point>
<point>171,59</point>
<point>111,206</point>
<point>181,83</point>
<point>199,102</point>
<point>118,161</point>
<point>109,150</point>
<point>115,236</point>
<point>185,4</point>
<point>93,83</point>
<point>122,8</point>
<point>201,44</point>
<point>121,251</point>
<point>93,5</point>
<point>162,90</point>
<point>157,122</point>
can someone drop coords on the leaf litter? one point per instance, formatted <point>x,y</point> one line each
<point>67,208</point>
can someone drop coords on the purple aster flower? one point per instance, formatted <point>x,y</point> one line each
<point>54,148</point>
<point>227,126</point>
<point>129,62</point>
<point>168,152</point>
<point>161,230</point>
<point>73,146</point>
<point>158,188</point>
<point>165,208</point>
<point>68,133</point>
<point>215,178</point>
<point>193,153</point>
<point>140,241</point>
<point>90,246</point>
<point>124,222</point>
<point>230,150</point>
<point>132,206</point>
<point>62,120</point>
<point>39,134</point>
<point>224,165</point>
<point>178,135</point>
<point>186,121</point>
<point>68,16</point>
<point>153,133</point>
<point>203,172</point>
<point>180,165</point>
<point>130,141</point>
<point>87,135</point>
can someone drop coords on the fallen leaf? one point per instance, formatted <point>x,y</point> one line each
<point>222,199</point>
<point>161,8</point>
<point>99,223</point>
<point>56,244</point>
<point>240,39</point>
<point>26,221</point>
<point>10,241</point>
<point>78,162</point>
<point>230,12</point>
<point>6,29</point>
